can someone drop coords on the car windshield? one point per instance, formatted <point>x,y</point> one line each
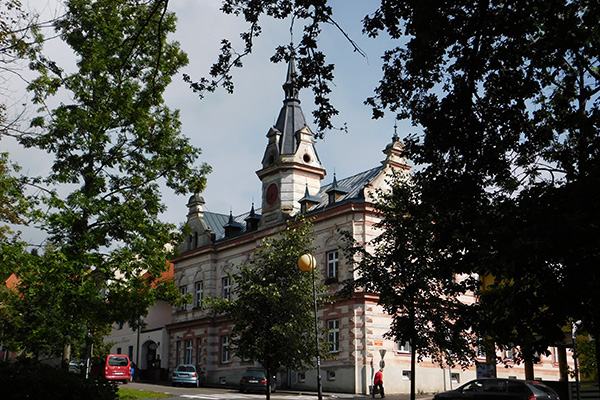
<point>186,368</point>
<point>255,374</point>
<point>474,386</point>
<point>117,361</point>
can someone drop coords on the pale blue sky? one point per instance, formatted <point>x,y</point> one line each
<point>231,129</point>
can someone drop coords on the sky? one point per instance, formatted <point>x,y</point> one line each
<point>231,128</point>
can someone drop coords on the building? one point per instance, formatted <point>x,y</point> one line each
<point>293,181</point>
<point>147,346</point>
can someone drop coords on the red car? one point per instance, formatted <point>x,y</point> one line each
<point>117,368</point>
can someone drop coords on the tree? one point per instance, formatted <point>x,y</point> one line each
<point>505,100</point>
<point>415,282</point>
<point>272,304</point>
<point>19,39</point>
<point>114,142</point>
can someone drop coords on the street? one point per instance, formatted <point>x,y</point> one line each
<point>211,393</point>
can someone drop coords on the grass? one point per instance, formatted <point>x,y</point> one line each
<point>129,394</point>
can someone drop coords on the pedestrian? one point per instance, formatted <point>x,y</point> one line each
<point>378,383</point>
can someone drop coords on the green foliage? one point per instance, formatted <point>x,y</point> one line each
<point>272,303</point>
<point>586,355</point>
<point>15,209</point>
<point>24,378</point>
<point>114,144</point>
<point>507,99</point>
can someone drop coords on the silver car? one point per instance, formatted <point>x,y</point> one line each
<point>187,374</point>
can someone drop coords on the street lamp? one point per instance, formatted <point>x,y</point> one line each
<point>306,263</point>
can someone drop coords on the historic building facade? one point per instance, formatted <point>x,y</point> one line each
<point>293,181</point>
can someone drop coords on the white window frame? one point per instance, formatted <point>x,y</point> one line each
<point>404,347</point>
<point>455,377</point>
<point>509,354</point>
<point>333,262</point>
<point>199,294</point>
<point>225,356</point>
<point>183,292</point>
<point>226,284</point>
<point>333,335</point>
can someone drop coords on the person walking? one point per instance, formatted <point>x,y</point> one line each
<point>378,383</point>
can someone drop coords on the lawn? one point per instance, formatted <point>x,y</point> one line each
<point>128,394</point>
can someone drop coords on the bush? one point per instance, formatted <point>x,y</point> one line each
<point>28,379</point>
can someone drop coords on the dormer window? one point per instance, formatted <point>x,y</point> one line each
<point>335,191</point>
<point>308,201</point>
<point>331,198</point>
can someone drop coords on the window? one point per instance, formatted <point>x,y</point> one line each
<point>199,295</point>
<point>481,350</point>
<point>183,293</point>
<point>301,377</point>
<point>555,355</point>
<point>509,354</point>
<point>130,352</point>
<point>455,377</point>
<point>224,349</point>
<point>331,375</point>
<point>333,335</point>
<point>406,375</point>
<point>198,350</point>
<point>404,347</point>
<point>332,265</point>
<point>119,351</point>
<point>226,287</point>
<point>189,351</point>
<point>178,352</point>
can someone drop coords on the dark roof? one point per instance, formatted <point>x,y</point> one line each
<point>291,118</point>
<point>354,186</point>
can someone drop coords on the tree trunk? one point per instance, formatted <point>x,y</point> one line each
<point>268,391</point>
<point>529,370</point>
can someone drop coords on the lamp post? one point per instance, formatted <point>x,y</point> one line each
<point>306,263</point>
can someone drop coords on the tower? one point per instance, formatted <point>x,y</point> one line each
<point>290,165</point>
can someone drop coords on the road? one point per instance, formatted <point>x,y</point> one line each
<point>209,393</point>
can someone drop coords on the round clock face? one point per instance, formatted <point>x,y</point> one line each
<point>272,193</point>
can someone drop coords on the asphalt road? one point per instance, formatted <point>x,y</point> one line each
<point>209,393</point>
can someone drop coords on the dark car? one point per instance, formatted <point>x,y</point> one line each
<point>255,380</point>
<point>500,389</point>
<point>187,374</point>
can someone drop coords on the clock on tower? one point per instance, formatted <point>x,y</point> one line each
<point>272,193</point>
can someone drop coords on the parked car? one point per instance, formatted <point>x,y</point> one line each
<point>187,374</point>
<point>117,368</point>
<point>76,367</point>
<point>500,389</point>
<point>255,380</point>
